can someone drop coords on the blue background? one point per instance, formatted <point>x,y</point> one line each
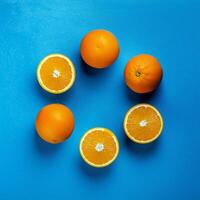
<point>32,169</point>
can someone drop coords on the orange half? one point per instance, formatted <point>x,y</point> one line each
<point>99,147</point>
<point>56,73</point>
<point>143,123</point>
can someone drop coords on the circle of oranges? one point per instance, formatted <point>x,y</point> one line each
<point>99,147</point>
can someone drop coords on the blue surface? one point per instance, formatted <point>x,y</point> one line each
<point>32,169</point>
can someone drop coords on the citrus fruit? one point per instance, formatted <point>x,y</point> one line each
<point>99,48</point>
<point>99,147</point>
<point>143,123</point>
<point>143,73</point>
<point>54,123</point>
<point>56,73</point>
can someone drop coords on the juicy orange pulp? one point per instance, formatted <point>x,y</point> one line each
<point>99,48</point>
<point>99,147</point>
<point>56,73</point>
<point>143,123</point>
<point>54,123</point>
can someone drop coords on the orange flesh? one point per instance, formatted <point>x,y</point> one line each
<point>90,143</point>
<point>143,123</point>
<point>54,65</point>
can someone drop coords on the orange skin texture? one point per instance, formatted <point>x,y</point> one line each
<point>143,73</point>
<point>99,48</point>
<point>54,123</point>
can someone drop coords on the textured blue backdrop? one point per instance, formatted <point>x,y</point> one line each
<point>32,169</point>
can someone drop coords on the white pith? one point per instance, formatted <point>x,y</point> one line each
<point>143,123</point>
<point>56,73</point>
<point>99,147</point>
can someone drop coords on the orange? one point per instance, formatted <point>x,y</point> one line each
<point>99,147</point>
<point>143,73</point>
<point>99,48</point>
<point>143,123</point>
<point>56,73</point>
<point>54,123</point>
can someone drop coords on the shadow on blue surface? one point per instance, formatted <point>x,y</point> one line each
<point>45,148</point>
<point>141,150</point>
<point>53,98</point>
<point>93,71</point>
<point>144,98</point>
<point>95,173</point>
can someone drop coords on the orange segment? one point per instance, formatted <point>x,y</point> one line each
<point>99,147</point>
<point>143,123</point>
<point>56,73</point>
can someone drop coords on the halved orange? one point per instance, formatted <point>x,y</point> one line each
<point>143,123</point>
<point>99,147</point>
<point>56,73</point>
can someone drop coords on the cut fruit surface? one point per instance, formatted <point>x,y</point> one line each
<point>143,123</point>
<point>99,147</point>
<point>56,73</point>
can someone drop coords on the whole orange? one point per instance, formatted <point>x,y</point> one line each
<point>143,73</point>
<point>54,123</point>
<point>99,48</point>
